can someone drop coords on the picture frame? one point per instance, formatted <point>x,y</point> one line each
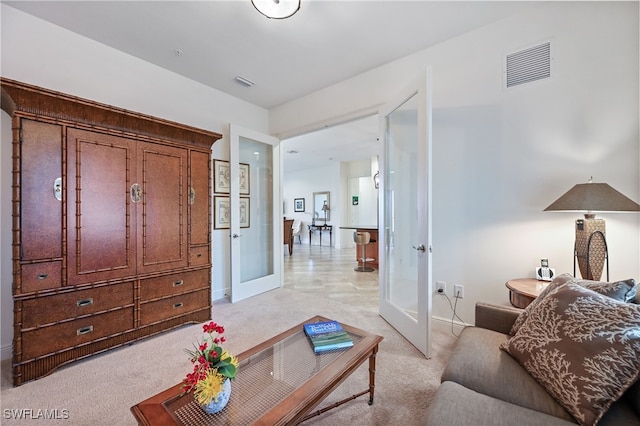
<point>245,212</point>
<point>221,212</point>
<point>221,177</point>
<point>298,204</point>
<point>244,179</point>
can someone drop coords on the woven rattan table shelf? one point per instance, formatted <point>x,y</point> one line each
<point>279,382</point>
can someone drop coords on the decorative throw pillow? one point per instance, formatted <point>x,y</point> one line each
<point>582,347</point>
<point>619,290</point>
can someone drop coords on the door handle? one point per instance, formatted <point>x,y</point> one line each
<point>57,189</point>
<point>236,236</point>
<point>421,248</point>
<point>136,193</point>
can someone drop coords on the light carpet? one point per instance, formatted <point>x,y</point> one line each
<point>101,390</point>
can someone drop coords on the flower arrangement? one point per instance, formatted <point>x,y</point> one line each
<point>212,366</point>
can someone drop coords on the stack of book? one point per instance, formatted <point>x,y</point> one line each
<point>327,336</point>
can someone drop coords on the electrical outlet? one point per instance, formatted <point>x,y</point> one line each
<point>441,287</point>
<point>458,291</point>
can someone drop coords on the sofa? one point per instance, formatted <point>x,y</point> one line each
<point>485,384</point>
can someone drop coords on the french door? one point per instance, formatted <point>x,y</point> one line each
<point>405,213</point>
<point>256,213</point>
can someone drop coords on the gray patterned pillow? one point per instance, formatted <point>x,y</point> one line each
<point>582,347</point>
<point>620,290</point>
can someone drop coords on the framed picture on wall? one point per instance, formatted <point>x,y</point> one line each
<point>221,212</point>
<point>244,179</point>
<point>221,177</point>
<point>245,212</point>
<point>298,204</point>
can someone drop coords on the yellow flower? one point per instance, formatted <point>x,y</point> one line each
<point>232,359</point>
<point>207,389</point>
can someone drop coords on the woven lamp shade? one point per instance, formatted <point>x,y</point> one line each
<point>594,197</point>
<point>591,245</point>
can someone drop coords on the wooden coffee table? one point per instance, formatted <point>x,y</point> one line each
<point>279,382</point>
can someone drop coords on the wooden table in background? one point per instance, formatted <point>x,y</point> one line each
<point>523,291</point>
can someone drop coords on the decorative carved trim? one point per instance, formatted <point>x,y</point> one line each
<point>37,101</point>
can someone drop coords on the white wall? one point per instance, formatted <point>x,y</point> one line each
<point>36,52</point>
<point>6,264</point>
<point>302,184</point>
<point>340,178</point>
<point>500,157</point>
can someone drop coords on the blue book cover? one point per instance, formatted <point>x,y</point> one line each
<point>316,328</point>
<point>327,336</point>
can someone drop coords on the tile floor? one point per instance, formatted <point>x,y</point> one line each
<point>329,272</point>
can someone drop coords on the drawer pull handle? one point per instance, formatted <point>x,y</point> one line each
<point>43,276</point>
<point>84,330</point>
<point>178,283</point>
<point>178,305</point>
<point>199,255</point>
<point>84,302</point>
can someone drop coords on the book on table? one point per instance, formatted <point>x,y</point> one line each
<point>327,336</point>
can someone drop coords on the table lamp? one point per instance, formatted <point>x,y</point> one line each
<point>325,209</point>
<point>590,248</point>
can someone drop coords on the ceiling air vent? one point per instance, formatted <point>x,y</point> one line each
<point>528,65</point>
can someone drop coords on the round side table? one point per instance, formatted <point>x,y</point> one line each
<point>523,291</point>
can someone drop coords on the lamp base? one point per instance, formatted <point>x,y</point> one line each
<point>591,248</point>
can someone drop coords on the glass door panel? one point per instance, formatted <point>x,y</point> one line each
<point>256,228</point>
<point>405,214</point>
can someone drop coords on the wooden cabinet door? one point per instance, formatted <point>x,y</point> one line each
<point>41,210</point>
<point>200,213</point>
<point>162,212</point>
<point>101,219</point>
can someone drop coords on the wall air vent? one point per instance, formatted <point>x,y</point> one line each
<point>528,65</point>
<point>243,81</point>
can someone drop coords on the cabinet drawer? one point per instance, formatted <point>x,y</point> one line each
<point>199,255</point>
<point>46,340</point>
<point>41,276</point>
<point>167,285</point>
<point>173,306</point>
<point>46,310</point>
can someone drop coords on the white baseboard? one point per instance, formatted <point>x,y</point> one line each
<point>220,294</point>
<point>6,352</point>
<point>457,325</point>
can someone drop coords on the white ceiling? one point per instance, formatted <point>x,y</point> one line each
<point>324,43</point>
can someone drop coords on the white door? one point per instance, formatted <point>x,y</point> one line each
<point>256,217</point>
<point>405,213</point>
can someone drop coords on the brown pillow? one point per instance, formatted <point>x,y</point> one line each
<point>619,290</point>
<point>582,347</point>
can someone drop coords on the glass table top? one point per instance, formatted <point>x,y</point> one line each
<point>264,380</point>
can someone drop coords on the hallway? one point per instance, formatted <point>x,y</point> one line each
<point>328,272</point>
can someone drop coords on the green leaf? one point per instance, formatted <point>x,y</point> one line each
<point>227,370</point>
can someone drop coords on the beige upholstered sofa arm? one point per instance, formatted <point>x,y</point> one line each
<point>495,317</point>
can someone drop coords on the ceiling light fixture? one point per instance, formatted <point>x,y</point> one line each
<point>276,9</point>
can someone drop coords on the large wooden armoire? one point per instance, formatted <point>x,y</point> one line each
<point>111,227</point>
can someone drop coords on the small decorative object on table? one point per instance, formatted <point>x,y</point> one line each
<point>213,368</point>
